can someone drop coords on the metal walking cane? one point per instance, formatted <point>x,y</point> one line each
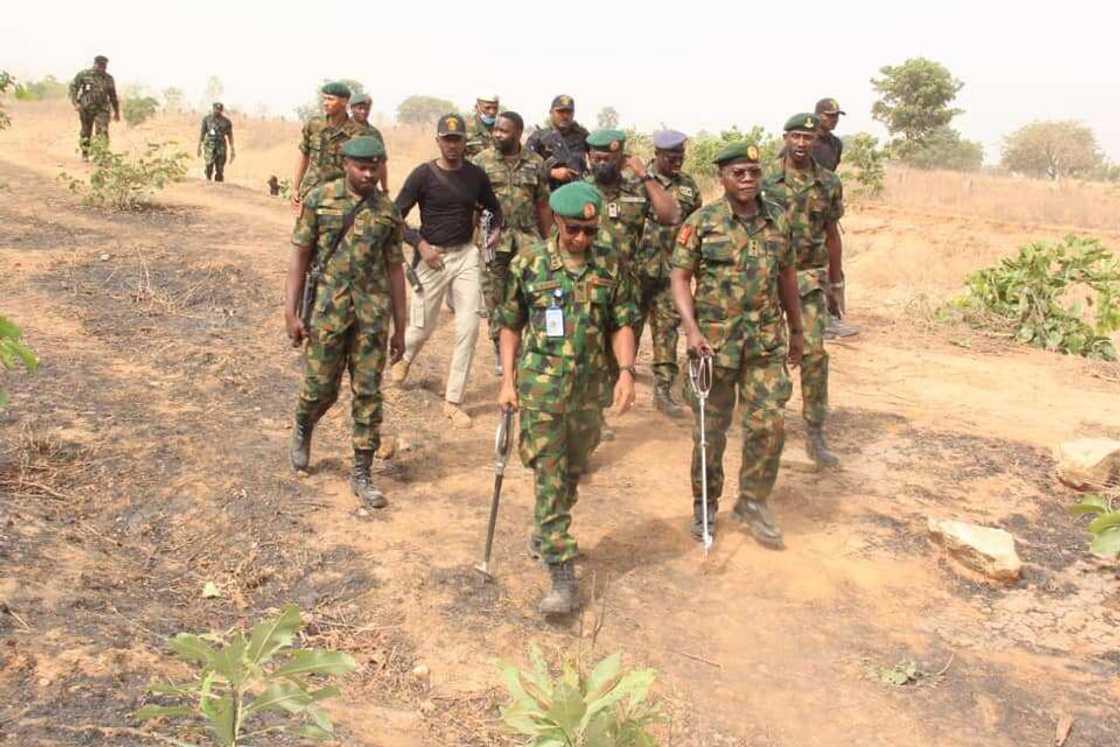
<point>700,377</point>
<point>502,442</point>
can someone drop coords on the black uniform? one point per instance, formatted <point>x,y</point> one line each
<point>561,149</point>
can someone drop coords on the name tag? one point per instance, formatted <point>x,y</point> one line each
<point>554,322</point>
<point>613,210</point>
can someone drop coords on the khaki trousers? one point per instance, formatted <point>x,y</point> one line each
<point>459,277</point>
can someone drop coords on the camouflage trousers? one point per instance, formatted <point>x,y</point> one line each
<point>762,386</point>
<point>557,448</point>
<point>359,348</point>
<point>493,280</point>
<point>94,122</point>
<point>814,363</point>
<point>215,158</point>
<point>657,307</point>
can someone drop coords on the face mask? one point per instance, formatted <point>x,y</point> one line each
<point>487,119</point>
<point>605,172</point>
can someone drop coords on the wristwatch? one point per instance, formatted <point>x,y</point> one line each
<point>632,369</point>
<point>648,178</point>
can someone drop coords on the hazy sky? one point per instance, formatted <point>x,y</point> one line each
<point>700,65</point>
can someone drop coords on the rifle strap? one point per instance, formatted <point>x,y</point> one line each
<point>347,223</point>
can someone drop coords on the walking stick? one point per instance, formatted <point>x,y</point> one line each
<point>502,442</point>
<point>700,377</point>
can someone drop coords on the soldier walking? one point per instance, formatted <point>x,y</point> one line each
<point>93,93</point>
<point>480,131</point>
<point>814,203</point>
<point>567,302</point>
<point>320,146</point>
<point>361,292</point>
<point>216,131</point>
<point>739,252</point>
<point>360,106</point>
<point>562,145</point>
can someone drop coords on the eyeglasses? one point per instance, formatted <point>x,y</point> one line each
<point>754,172</point>
<point>572,230</point>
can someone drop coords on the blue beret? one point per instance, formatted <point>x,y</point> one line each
<point>668,139</point>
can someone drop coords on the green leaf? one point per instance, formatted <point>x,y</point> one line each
<point>316,732</point>
<point>1091,504</point>
<point>567,709</point>
<point>319,718</point>
<point>158,711</point>
<point>1106,544</point>
<point>280,696</point>
<point>171,688</point>
<point>230,662</point>
<point>603,675</point>
<point>192,648</point>
<point>272,635</point>
<point>317,661</point>
<point>224,721</point>
<point>1105,522</point>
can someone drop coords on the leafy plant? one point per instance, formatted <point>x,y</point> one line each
<point>603,708</point>
<point>1105,526</point>
<point>119,182</point>
<point>40,90</point>
<point>914,99</point>
<point>14,352</point>
<point>137,109</point>
<point>7,82</point>
<point>243,678</point>
<point>864,161</point>
<point>1031,293</point>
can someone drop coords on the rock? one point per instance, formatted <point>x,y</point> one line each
<point>387,448</point>
<point>105,257</point>
<point>1089,463</point>
<point>983,549</point>
<point>421,673</point>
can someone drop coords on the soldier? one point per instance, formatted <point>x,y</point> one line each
<point>320,147</point>
<point>738,249</point>
<point>216,130</point>
<point>566,303</point>
<point>362,288</point>
<point>518,177</point>
<point>655,297</point>
<point>480,132</point>
<point>562,145</point>
<point>827,151</point>
<point>359,111</point>
<point>93,93</point>
<point>814,202</point>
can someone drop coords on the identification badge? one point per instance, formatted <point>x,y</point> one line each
<point>613,210</point>
<point>554,316</point>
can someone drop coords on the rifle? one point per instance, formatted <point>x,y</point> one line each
<point>318,264</point>
<point>485,233</point>
<point>410,272</point>
<point>502,442</point>
<point>558,147</point>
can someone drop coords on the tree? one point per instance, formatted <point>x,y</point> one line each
<point>863,159</point>
<point>944,148</point>
<point>41,90</point>
<point>172,99</point>
<point>1052,149</point>
<point>608,118</point>
<point>136,109</point>
<point>6,82</point>
<point>423,109</point>
<point>915,100</point>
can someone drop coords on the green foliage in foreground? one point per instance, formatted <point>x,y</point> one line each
<point>865,163</point>
<point>7,83</point>
<point>13,352</point>
<point>244,678</point>
<point>1105,527</point>
<point>1045,295</point>
<point>123,183</point>
<point>603,708</point>
<point>137,109</point>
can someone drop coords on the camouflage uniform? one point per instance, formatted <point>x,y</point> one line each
<point>736,263</point>
<point>812,200</point>
<point>479,137</point>
<point>215,129</point>
<point>95,93</point>
<point>652,262</point>
<point>352,313</point>
<point>562,382</point>
<point>520,184</point>
<point>544,142</point>
<point>322,143</point>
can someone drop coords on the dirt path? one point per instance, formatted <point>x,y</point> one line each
<point>148,457</point>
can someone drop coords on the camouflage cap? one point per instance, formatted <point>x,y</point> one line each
<point>611,140</point>
<point>451,125</point>
<point>576,200</point>
<point>804,122</point>
<point>100,59</point>
<point>366,148</point>
<point>735,152</point>
<point>829,106</point>
<point>341,90</point>
<point>361,98</point>
<point>563,101</point>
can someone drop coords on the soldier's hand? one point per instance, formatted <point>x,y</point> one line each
<point>698,345</point>
<point>431,257</point>
<point>296,331</point>
<point>495,238</point>
<point>562,174</point>
<point>396,346</point>
<point>796,348</point>
<point>837,303</point>
<point>623,393</point>
<point>507,395</point>
<point>634,163</point>
<point>232,155</point>
<point>297,203</point>
<point>116,116</point>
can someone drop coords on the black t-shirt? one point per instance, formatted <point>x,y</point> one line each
<point>447,200</point>
<point>828,150</point>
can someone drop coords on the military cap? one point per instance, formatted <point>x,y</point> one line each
<point>563,101</point>
<point>804,121</point>
<point>669,139</point>
<point>365,148</point>
<point>451,124</point>
<point>829,106</point>
<point>611,140</point>
<point>218,105</point>
<point>336,89</point>
<point>576,200</point>
<point>488,99</point>
<point>101,59</point>
<point>361,98</point>
<point>735,152</point>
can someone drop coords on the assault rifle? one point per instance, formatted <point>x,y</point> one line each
<point>319,262</point>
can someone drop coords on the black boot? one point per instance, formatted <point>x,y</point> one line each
<point>663,400</point>
<point>561,600</point>
<point>534,547</point>
<point>361,485</point>
<point>299,450</point>
<point>697,529</point>
<point>761,522</point>
<point>817,447</point>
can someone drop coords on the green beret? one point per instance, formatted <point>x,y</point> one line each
<point>336,89</point>
<point>804,121</point>
<point>576,200</point>
<point>606,139</point>
<point>740,151</point>
<point>361,98</point>
<point>364,148</point>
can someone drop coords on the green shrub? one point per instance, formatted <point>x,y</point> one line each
<point>704,146</point>
<point>7,83</point>
<point>123,183</point>
<point>864,161</point>
<point>137,109</point>
<point>13,352</point>
<point>1105,527</point>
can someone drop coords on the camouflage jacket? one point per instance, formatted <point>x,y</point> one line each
<point>215,129</point>
<point>572,372</point>
<point>365,130</point>
<point>520,183</point>
<point>93,90</point>
<point>812,200</point>
<point>626,208</point>
<point>560,148</point>
<point>323,143</point>
<point>479,137</point>
<point>656,247</point>
<point>736,263</point>
<point>355,282</point>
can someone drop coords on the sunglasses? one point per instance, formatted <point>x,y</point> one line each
<point>574,230</point>
<point>752,171</point>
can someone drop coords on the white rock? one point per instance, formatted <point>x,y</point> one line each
<point>983,549</point>
<point>1089,463</point>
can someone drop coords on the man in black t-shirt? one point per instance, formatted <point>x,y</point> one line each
<point>828,149</point>
<point>449,190</point>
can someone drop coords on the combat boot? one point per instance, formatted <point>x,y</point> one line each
<point>497,359</point>
<point>817,447</point>
<point>561,600</point>
<point>361,484</point>
<point>663,400</point>
<point>756,515</point>
<point>299,450</point>
<point>697,529</point>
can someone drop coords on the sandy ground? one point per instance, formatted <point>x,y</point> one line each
<point>148,456</point>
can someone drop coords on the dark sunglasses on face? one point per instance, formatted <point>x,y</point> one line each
<point>573,230</point>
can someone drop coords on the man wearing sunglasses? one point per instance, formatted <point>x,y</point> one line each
<point>738,250</point>
<point>567,301</point>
